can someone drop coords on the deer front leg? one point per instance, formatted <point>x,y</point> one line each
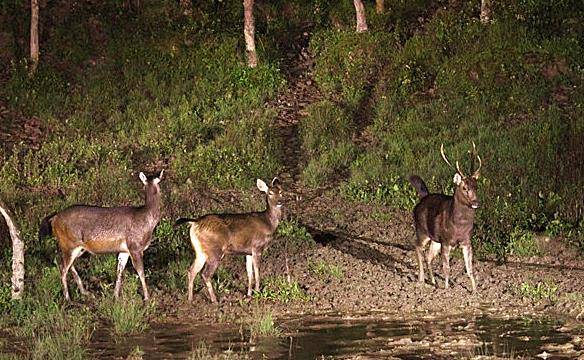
<point>122,261</point>
<point>249,268</point>
<point>139,266</point>
<point>446,264</point>
<point>467,253</point>
<point>256,268</point>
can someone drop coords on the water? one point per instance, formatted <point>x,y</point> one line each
<point>336,336</point>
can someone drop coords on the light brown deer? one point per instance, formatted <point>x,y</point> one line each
<point>446,221</point>
<point>125,230</point>
<point>215,235</point>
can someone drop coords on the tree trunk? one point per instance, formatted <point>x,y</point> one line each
<point>485,11</point>
<point>34,35</point>
<point>17,255</point>
<point>186,6</point>
<point>249,33</point>
<point>361,21</point>
<point>379,6</point>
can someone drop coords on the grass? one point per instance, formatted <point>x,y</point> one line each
<point>262,324</point>
<point>546,290</point>
<point>324,270</point>
<point>129,314</point>
<point>53,329</point>
<point>277,288</point>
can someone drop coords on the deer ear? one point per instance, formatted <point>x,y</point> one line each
<point>262,186</point>
<point>275,181</point>
<point>457,179</point>
<point>143,178</point>
<point>157,179</point>
<point>476,175</point>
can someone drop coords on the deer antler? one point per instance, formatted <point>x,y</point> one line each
<point>444,156</point>
<point>474,150</point>
<point>448,162</point>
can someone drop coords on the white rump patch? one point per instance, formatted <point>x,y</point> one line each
<point>457,179</point>
<point>262,185</point>
<point>143,178</point>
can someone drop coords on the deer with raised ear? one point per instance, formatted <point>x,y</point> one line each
<point>215,235</point>
<point>126,230</point>
<point>446,221</point>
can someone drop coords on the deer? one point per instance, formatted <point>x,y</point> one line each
<point>126,230</point>
<point>215,235</point>
<point>446,221</point>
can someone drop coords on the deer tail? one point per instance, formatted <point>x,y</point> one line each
<point>419,185</point>
<point>46,228</point>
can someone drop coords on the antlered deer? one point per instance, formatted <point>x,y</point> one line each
<point>126,230</point>
<point>446,221</point>
<point>215,235</point>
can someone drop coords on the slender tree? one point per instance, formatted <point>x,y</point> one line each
<point>485,11</point>
<point>34,35</point>
<point>379,6</point>
<point>249,33</point>
<point>17,254</point>
<point>361,20</point>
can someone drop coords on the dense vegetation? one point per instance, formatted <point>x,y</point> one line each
<point>121,90</point>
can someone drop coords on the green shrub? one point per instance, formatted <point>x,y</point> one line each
<point>128,314</point>
<point>277,288</point>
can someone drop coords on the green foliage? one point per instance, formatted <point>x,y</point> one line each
<point>128,314</point>
<point>54,330</point>
<point>522,243</point>
<point>324,270</point>
<point>295,234</point>
<point>546,290</point>
<point>346,63</point>
<point>326,140</point>
<point>277,288</point>
<point>262,324</point>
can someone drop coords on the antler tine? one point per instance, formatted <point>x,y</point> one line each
<point>458,169</point>
<point>444,156</point>
<point>476,173</point>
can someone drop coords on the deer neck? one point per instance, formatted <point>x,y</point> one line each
<point>152,208</point>
<point>460,213</point>
<point>273,214</point>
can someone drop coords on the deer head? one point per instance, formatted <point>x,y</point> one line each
<point>466,186</point>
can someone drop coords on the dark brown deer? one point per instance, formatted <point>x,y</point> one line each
<point>125,230</point>
<point>446,221</point>
<point>215,235</point>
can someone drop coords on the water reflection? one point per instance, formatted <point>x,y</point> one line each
<point>341,337</point>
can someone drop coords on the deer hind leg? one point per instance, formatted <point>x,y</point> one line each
<point>208,271</point>
<point>467,253</point>
<point>446,264</point>
<point>434,249</point>
<point>69,257</point>
<point>195,268</point>
<point>122,261</point>
<point>420,245</point>
<point>198,263</point>
<point>139,266</point>
<point>249,269</point>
